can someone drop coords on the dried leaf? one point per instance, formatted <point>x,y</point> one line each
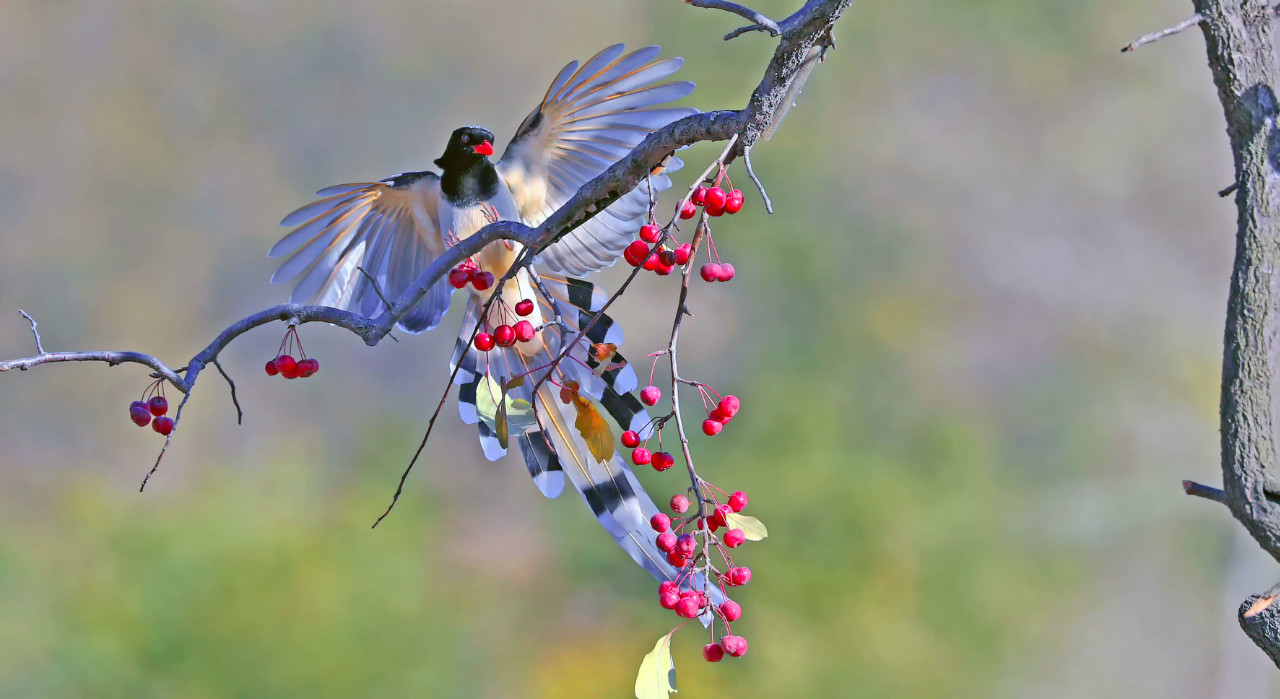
<point>603,350</point>
<point>753,528</point>
<point>594,429</point>
<point>657,678</point>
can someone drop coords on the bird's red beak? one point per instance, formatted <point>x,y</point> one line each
<point>485,148</point>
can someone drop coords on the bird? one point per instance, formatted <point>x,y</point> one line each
<point>364,240</point>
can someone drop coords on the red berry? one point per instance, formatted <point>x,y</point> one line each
<point>685,544</point>
<point>734,538</point>
<point>482,280</point>
<point>290,374</point>
<point>726,272</point>
<point>271,368</point>
<point>687,607</point>
<point>699,196</point>
<point>650,395</point>
<point>158,405</point>
<point>668,586</point>
<point>715,210</point>
<point>713,652</point>
<point>663,270</point>
<point>677,560</point>
<point>710,272</point>
<point>285,363</point>
<point>730,405</point>
<point>524,331</point>
<point>504,335</point>
<point>163,425</point>
<point>663,461</point>
<point>139,413</point>
<point>630,439</point>
<point>525,307</point>
<point>715,198</point>
<point>738,501</point>
<point>640,456</point>
<point>458,277</point>
<point>679,504</point>
<point>666,542</point>
<point>733,202</point>
<point>650,233</point>
<point>660,522</point>
<point>308,367</point>
<point>668,600</point>
<point>719,416</point>
<point>721,515</point>
<point>688,210</point>
<point>636,252</point>
<point>484,342</point>
<point>736,577</point>
<point>683,253</point>
<point>651,263</point>
<point>734,645</point>
<point>731,610</point>
<point>711,428</point>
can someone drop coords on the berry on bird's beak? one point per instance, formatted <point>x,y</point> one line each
<point>485,148</point>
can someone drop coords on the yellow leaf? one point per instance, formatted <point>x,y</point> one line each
<point>750,526</point>
<point>657,678</point>
<point>594,429</point>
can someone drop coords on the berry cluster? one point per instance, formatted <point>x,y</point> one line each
<point>285,365</point>
<point>153,405</point>
<point>714,200</point>
<point>507,335</point>
<point>470,273</point>
<point>720,416</point>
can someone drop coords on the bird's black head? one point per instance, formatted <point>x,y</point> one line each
<point>467,146</point>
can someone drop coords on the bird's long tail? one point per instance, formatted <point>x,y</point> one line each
<point>561,430</point>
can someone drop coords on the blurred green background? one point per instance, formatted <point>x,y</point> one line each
<point>978,347</point>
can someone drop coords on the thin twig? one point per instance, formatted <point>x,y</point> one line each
<point>1156,36</point>
<point>760,22</point>
<point>1226,191</point>
<point>1204,491</point>
<point>34,331</point>
<point>232,384</point>
<point>746,158</point>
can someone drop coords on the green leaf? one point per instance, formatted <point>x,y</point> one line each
<point>752,527</point>
<point>657,678</point>
<point>500,412</point>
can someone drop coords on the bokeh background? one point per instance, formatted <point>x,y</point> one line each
<point>978,348</point>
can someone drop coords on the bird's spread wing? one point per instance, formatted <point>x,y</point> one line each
<point>388,228</point>
<point>592,116</point>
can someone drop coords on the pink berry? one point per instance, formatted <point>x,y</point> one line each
<point>662,461</point>
<point>630,439</point>
<point>726,271</point>
<point>715,198</point>
<point>640,456</point>
<point>484,342</point>
<point>719,416</point>
<point>730,405</point>
<point>271,368</point>
<point>731,610</point>
<point>308,367</point>
<point>158,405</point>
<point>524,331</point>
<point>668,600</point>
<point>676,559</point>
<point>699,196</point>
<point>650,233</point>
<point>738,576</point>
<point>738,501</point>
<point>683,253</point>
<point>721,515</point>
<point>734,645</point>
<point>710,272</point>
<point>688,210</point>
<point>660,522</point>
<point>679,504</point>
<point>139,413</point>
<point>668,586</point>
<point>685,544</point>
<point>711,427</point>
<point>666,542</point>
<point>687,607</point>
<point>286,364</point>
<point>525,307</point>
<point>734,538</point>
<point>163,425</point>
<point>458,277</point>
<point>650,395</point>
<point>504,335</point>
<point>733,202</point>
<point>713,652</point>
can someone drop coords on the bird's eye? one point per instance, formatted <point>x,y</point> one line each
<point>466,138</point>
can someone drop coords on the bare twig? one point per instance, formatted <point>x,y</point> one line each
<point>34,330</point>
<point>232,384</point>
<point>1226,191</point>
<point>759,21</point>
<point>1156,36</point>
<point>746,158</point>
<point>1204,491</point>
